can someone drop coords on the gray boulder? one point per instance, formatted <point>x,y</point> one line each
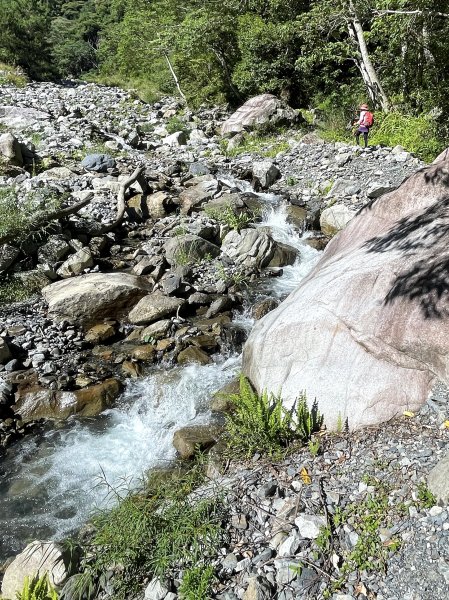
<point>99,163</point>
<point>5,353</point>
<point>10,149</point>
<point>88,298</point>
<point>153,308</point>
<point>188,248</point>
<point>379,188</point>
<point>197,195</point>
<point>438,480</point>
<point>176,139</point>
<point>54,250</point>
<point>259,110</point>
<point>335,218</point>
<point>249,247</point>
<point>18,117</point>
<point>76,263</point>
<point>38,558</point>
<point>265,173</point>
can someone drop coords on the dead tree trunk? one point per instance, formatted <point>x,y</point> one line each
<point>366,67</point>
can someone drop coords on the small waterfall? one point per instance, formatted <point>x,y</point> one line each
<point>51,483</point>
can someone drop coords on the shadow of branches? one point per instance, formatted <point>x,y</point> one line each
<point>424,237</point>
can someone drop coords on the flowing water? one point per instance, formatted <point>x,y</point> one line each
<point>52,482</point>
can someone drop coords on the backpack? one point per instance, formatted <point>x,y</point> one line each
<point>368,119</point>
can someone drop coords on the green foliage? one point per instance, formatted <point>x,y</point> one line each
<point>425,497</point>
<point>162,527</point>
<point>12,76</point>
<point>267,146</point>
<point>260,423</point>
<point>227,215</point>
<point>176,124</point>
<point>18,219</point>
<point>415,134</point>
<point>15,289</point>
<point>314,447</point>
<point>197,583</point>
<point>37,588</point>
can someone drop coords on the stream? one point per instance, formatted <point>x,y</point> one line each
<point>52,482</point>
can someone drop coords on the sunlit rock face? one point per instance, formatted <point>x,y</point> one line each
<point>367,332</point>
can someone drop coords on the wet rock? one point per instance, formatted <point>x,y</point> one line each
<point>131,369</point>
<point>189,440</point>
<point>263,307</point>
<point>156,330</point>
<point>193,354</point>
<point>249,247</point>
<point>99,333</point>
<point>283,255</point>
<point>34,402</point>
<point>221,400</point>
<point>145,353</point>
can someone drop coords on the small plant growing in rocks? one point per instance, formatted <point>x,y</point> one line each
<point>425,497</point>
<point>165,526</point>
<point>227,216</point>
<point>260,423</point>
<point>37,588</point>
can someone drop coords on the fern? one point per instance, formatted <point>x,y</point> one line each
<point>260,423</point>
<point>37,588</point>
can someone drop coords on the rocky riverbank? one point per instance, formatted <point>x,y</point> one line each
<point>158,281</point>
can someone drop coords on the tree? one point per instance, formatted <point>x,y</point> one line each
<point>24,25</point>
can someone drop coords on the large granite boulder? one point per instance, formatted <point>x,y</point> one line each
<point>88,298</point>
<point>259,110</point>
<point>367,331</point>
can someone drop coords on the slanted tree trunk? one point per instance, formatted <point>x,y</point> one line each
<point>175,78</point>
<point>366,67</point>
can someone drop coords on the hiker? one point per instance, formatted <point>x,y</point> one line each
<point>363,124</point>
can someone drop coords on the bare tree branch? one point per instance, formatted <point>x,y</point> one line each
<point>382,13</point>
<point>121,204</point>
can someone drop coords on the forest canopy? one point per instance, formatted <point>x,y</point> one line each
<point>332,53</point>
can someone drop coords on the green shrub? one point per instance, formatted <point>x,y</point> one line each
<point>196,583</point>
<point>160,528</point>
<point>175,124</point>
<point>15,289</point>
<point>12,76</point>
<point>265,145</point>
<point>228,216</point>
<point>18,219</point>
<point>415,134</point>
<point>260,423</point>
<point>37,588</point>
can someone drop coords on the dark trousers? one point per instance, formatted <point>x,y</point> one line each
<point>365,137</point>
